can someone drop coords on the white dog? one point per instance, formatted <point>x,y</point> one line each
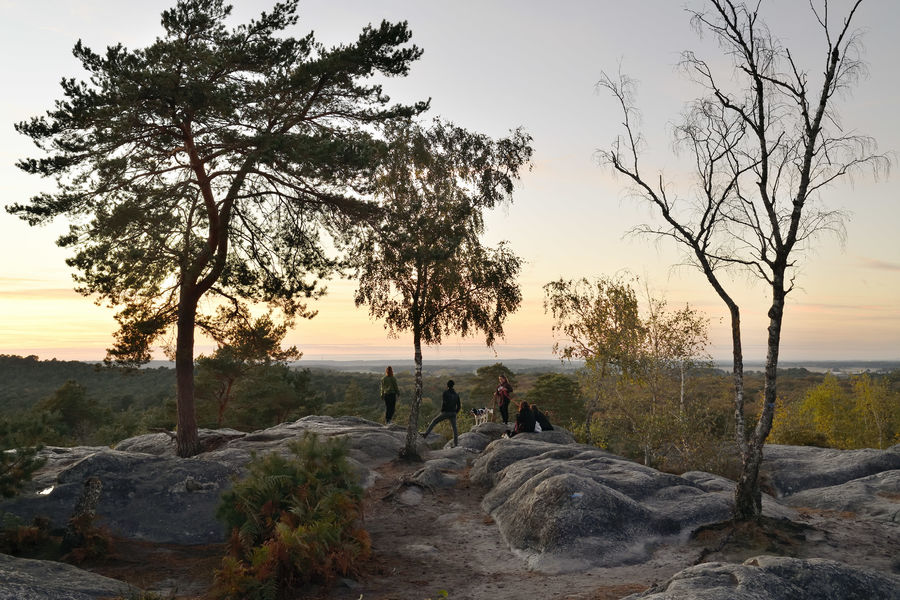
<point>482,415</point>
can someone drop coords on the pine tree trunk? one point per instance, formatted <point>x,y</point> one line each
<point>186,439</point>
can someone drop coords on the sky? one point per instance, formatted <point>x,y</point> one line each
<point>492,66</point>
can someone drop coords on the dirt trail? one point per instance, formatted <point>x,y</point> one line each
<point>442,542</point>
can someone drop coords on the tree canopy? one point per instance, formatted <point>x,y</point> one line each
<point>217,162</point>
<point>423,268</point>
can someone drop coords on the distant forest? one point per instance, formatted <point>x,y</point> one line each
<point>54,402</point>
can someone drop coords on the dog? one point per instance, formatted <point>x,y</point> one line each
<point>482,415</point>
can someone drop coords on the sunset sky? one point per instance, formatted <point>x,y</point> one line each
<point>492,66</point>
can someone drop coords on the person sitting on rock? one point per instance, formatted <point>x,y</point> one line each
<point>541,418</point>
<point>524,420</point>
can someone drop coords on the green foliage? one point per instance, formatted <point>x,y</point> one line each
<point>27,541</point>
<point>16,468</point>
<point>293,522</point>
<point>76,411</point>
<point>18,461</point>
<point>246,383</point>
<point>636,367</point>
<point>422,267</point>
<point>486,382</point>
<point>559,396</point>
<point>28,380</point>
<point>222,163</point>
<point>862,412</point>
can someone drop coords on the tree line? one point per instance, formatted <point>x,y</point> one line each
<point>664,424</point>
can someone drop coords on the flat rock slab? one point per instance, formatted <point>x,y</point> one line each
<point>776,578</point>
<point>874,497</point>
<point>789,470</point>
<point>25,579</point>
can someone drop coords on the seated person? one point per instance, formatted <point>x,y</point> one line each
<point>541,418</point>
<point>524,420</point>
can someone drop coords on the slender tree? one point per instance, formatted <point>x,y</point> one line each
<point>250,346</point>
<point>423,268</point>
<point>765,142</point>
<point>212,163</point>
<point>597,322</point>
<point>630,360</point>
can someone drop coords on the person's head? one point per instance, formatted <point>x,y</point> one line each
<point>450,384</point>
<point>502,379</point>
<point>523,407</point>
<point>389,371</point>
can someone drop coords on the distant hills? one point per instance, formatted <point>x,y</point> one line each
<point>536,365</point>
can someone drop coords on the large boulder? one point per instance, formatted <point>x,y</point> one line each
<point>150,494</point>
<point>568,507</point>
<point>776,578</point>
<point>788,470</point>
<point>25,579</point>
<point>145,497</point>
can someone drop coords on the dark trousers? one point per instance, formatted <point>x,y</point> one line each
<point>441,417</point>
<point>504,411</point>
<point>390,403</point>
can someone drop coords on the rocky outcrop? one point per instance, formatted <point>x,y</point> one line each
<point>569,507</point>
<point>145,497</point>
<point>481,435</point>
<point>24,579</point>
<point>875,497</point>
<point>788,470</point>
<point>863,482</point>
<point>776,578</point>
<point>561,506</point>
<point>149,494</point>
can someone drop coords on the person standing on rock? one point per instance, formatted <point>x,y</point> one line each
<point>389,391</point>
<point>502,397</point>
<point>450,407</point>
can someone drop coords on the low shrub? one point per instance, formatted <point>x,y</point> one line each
<point>293,521</point>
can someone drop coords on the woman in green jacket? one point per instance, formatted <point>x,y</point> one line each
<point>389,391</point>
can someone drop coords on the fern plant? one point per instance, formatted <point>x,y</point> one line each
<point>293,521</point>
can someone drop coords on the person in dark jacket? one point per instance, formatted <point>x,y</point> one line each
<point>389,391</point>
<point>541,418</point>
<point>450,407</point>
<point>524,420</point>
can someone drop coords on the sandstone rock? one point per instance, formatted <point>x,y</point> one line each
<point>876,497</point>
<point>144,497</point>
<point>570,507</point>
<point>788,470</point>
<point>149,494</point>
<point>474,440</point>
<point>433,477</point>
<point>502,453</point>
<point>716,484</point>
<point>25,579</point>
<point>776,578</point>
